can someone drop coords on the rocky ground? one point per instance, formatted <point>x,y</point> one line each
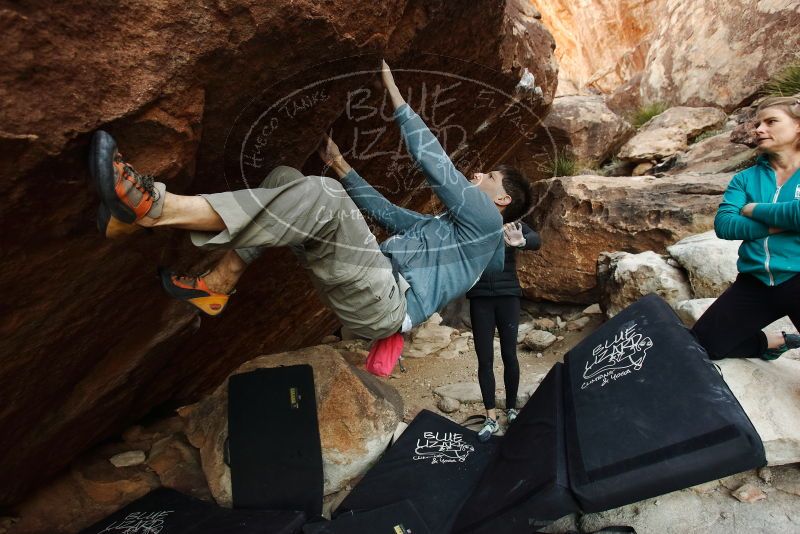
<point>424,375</point>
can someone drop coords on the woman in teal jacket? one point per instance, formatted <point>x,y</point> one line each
<point>761,206</point>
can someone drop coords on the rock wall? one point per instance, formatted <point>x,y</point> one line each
<point>682,52</point>
<point>599,45</point>
<point>89,342</point>
<point>717,52</point>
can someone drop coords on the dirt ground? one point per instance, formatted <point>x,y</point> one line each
<point>423,375</point>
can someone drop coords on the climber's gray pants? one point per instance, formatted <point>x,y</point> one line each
<point>317,219</point>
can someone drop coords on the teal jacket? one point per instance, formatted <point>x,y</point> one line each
<point>440,256</point>
<point>775,258</point>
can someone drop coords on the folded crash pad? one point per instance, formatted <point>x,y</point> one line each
<point>274,452</point>
<point>435,464</point>
<point>648,413</point>
<point>527,484</point>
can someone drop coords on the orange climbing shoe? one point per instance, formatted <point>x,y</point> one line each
<point>193,289</point>
<point>128,194</point>
<point>110,226</point>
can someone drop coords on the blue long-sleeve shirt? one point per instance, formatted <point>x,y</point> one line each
<point>770,258</point>
<point>440,256</point>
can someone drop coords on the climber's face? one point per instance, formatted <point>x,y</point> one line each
<point>491,183</point>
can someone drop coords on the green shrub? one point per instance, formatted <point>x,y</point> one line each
<point>611,168</point>
<point>647,112</point>
<point>785,83</point>
<point>561,163</point>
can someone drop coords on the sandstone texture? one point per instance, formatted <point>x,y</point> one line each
<point>769,392</point>
<point>590,131</point>
<point>714,53</point>
<point>670,132</point>
<point>599,45</point>
<point>538,340</point>
<point>714,511</point>
<point>717,153</point>
<point>691,310</point>
<point>190,91</point>
<point>681,52</point>
<point>581,216</point>
<point>429,338</point>
<point>624,278</point>
<point>709,261</point>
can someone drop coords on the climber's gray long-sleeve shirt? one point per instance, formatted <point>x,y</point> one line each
<point>440,256</point>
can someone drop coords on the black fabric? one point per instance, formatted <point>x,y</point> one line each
<point>397,518</point>
<point>488,313</point>
<point>274,446</point>
<point>731,326</point>
<point>648,413</point>
<point>506,283</point>
<point>166,511</point>
<point>435,464</point>
<point>527,485</point>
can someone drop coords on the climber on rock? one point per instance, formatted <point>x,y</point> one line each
<point>376,291</point>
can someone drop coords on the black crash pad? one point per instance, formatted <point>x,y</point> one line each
<point>648,413</point>
<point>274,452</point>
<point>435,464</point>
<point>166,511</point>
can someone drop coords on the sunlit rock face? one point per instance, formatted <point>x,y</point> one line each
<point>681,52</point>
<point>718,53</point>
<point>599,45</point>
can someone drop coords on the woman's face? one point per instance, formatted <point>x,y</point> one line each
<point>777,130</point>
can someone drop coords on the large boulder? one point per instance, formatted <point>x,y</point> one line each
<point>581,216</point>
<point>712,53</point>
<point>591,132</point>
<point>182,86</point>
<point>357,416</point>
<point>624,278</point>
<point>710,262</point>
<point>670,132</point>
<point>770,394</point>
<point>717,153</point>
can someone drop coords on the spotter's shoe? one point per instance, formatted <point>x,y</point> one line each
<point>193,289</point>
<point>489,428</point>
<point>511,415</point>
<point>110,226</point>
<point>790,341</point>
<point>128,194</point>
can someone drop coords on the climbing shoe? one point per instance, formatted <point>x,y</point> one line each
<point>511,415</point>
<point>193,289</point>
<point>110,226</point>
<point>128,194</point>
<point>790,341</point>
<point>490,426</point>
